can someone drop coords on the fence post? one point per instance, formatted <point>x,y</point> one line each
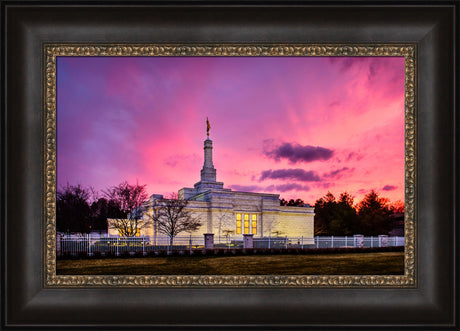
<point>285,241</point>
<point>248,241</point>
<point>269,242</point>
<point>302,242</point>
<point>117,246</point>
<point>317,241</point>
<point>89,245</point>
<point>190,244</point>
<point>143,245</point>
<point>383,240</point>
<point>372,241</point>
<point>209,241</point>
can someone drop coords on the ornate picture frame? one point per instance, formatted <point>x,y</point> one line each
<point>426,292</point>
<point>253,50</point>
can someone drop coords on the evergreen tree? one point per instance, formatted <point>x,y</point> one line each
<point>374,215</point>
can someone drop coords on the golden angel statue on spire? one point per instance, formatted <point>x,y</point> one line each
<point>208,126</point>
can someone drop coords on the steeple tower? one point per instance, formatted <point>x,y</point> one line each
<point>208,172</point>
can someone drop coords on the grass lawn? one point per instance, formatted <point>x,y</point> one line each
<point>385,263</point>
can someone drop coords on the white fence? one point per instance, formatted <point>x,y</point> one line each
<point>87,245</point>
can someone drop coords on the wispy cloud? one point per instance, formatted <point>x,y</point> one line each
<point>281,188</point>
<point>292,174</point>
<point>287,187</point>
<point>336,174</point>
<point>389,188</point>
<point>246,188</point>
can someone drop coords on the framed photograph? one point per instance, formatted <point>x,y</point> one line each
<point>279,117</point>
<point>253,95</point>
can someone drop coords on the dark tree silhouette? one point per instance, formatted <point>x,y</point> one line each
<point>101,210</point>
<point>374,215</point>
<point>324,214</point>
<point>369,217</point>
<point>126,204</point>
<point>397,207</point>
<point>336,217</point>
<point>345,221</point>
<point>73,212</point>
<point>292,202</point>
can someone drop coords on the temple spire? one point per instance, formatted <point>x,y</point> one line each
<point>208,172</point>
<point>208,126</point>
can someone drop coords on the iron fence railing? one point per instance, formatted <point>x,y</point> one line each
<point>87,245</point>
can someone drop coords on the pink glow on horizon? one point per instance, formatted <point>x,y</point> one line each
<point>143,119</point>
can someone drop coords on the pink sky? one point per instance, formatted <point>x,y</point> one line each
<point>297,126</point>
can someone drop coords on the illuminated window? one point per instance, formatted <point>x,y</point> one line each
<point>238,227</point>
<point>246,223</point>
<point>254,224</point>
<point>238,223</point>
<point>138,232</point>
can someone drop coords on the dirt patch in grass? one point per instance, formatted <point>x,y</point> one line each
<point>386,263</point>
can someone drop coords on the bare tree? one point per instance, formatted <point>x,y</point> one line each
<point>225,221</point>
<point>129,202</point>
<point>227,233</point>
<point>172,217</point>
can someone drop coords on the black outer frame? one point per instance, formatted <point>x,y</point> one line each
<point>27,25</point>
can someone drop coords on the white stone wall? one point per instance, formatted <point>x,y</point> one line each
<point>294,223</point>
<point>217,210</point>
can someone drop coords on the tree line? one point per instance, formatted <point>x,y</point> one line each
<point>372,216</point>
<point>81,209</point>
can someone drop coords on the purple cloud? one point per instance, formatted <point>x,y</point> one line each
<point>337,173</point>
<point>354,156</point>
<point>292,174</point>
<point>271,188</point>
<point>287,187</point>
<point>298,153</point>
<point>389,188</point>
<point>324,185</point>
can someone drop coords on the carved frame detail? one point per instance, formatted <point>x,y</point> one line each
<point>52,51</point>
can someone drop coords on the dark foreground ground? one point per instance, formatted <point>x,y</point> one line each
<point>382,263</point>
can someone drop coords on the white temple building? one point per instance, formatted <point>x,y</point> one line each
<point>223,211</point>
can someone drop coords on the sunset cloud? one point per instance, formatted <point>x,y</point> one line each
<point>288,187</point>
<point>336,174</point>
<point>298,153</point>
<point>389,188</point>
<point>246,188</point>
<point>291,174</point>
<point>281,188</point>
